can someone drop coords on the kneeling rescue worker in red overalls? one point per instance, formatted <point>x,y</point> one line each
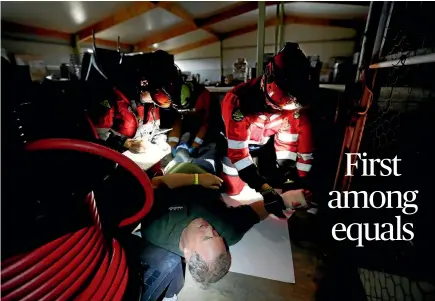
<point>124,120</point>
<point>269,105</point>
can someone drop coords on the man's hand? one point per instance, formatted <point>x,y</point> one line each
<point>208,180</point>
<point>181,180</point>
<point>308,195</point>
<point>135,146</point>
<point>273,202</point>
<point>296,199</point>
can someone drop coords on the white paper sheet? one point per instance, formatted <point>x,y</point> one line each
<point>153,154</point>
<point>265,250</point>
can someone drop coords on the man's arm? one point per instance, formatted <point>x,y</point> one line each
<point>175,133</point>
<point>203,105</point>
<point>174,180</point>
<point>242,218</point>
<point>260,210</point>
<point>177,180</point>
<point>256,213</point>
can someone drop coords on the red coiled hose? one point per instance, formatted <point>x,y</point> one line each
<point>80,265</point>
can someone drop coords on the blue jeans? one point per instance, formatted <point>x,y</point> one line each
<point>207,159</point>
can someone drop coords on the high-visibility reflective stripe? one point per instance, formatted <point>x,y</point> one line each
<point>198,140</point>
<point>303,166</point>
<point>274,116</point>
<point>285,155</point>
<point>227,161</point>
<point>174,139</point>
<point>231,171</point>
<point>306,157</point>
<point>273,124</point>
<point>104,133</point>
<point>260,125</point>
<point>234,144</point>
<point>291,107</point>
<point>262,142</point>
<point>287,137</point>
<point>228,167</point>
<point>245,162</point>
<point>212,163</point>
<point>262,117</point>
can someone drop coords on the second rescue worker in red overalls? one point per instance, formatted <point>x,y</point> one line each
<point>260,108</point>
<point>196,100</point>
<point>125,122</point>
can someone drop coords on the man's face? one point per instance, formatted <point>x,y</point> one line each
<point>200,237</point>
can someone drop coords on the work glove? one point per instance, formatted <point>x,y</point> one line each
<point>273,202</point>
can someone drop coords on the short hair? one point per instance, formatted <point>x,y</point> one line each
<point>206,273</point>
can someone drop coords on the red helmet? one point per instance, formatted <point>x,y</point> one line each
<point>286,78</point>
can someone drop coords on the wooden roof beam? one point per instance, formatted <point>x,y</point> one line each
<point>296,20</point>
<point>247,29</point>
<point>268,23</point>
<point>354,23</point>
<point>12,27</point>
<point>164,35</point>
<point>189,25</point>
<point>247,6</point>
<point>16,28</point>
<point>194,24</point>
<point>176,9</point>
<point>195,45</point>
<point>108,43</point>
<point>233,11</point>
<point>136,9</point>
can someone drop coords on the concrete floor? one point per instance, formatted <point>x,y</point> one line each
<point>238,287</point>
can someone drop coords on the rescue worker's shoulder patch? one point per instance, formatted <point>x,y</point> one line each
<point>105,103</point>
<point>237,115</point>
<point>296,114</point>
<point>285,125</point>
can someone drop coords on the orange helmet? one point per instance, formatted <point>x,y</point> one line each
<point>162,79</point>
<point>159,95</point>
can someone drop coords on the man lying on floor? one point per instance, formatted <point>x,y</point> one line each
<point>189,218</point>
